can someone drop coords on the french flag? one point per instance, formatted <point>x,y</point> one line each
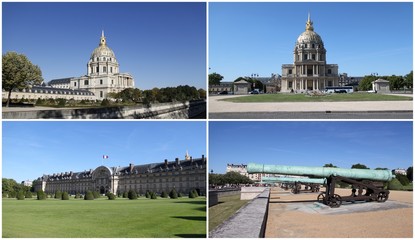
<point>104,156</point>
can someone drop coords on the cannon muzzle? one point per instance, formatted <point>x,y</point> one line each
<point>360,174</point>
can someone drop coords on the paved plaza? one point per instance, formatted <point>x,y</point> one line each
<point>309,110</point>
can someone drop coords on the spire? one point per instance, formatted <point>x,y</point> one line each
<point>309,24</point>
<point>187,157</point>
<point>103,41</point>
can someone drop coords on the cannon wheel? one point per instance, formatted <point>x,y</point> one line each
<point>335,201</point>
<point>320,198</point>
<point>382,196</point>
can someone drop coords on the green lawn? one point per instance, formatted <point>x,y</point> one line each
<point>120,218</point>
<point>342,97</point>
<point>227,206</point>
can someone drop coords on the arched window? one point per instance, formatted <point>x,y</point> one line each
<point>105,69</point>
<point>97,69</point>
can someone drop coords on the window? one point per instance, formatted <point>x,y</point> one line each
<point>105,69</point>
<point>290,84</point>
<point>97,69</point>
<point>305,56</point>
<point>100,81</point>
<point>290,71</point>
<point>112,81</point>
<point>111,69</point>
<point>74,84</point>
<point>313,57</point>
<point>329,71</point>
<point>97,59</point>
<point>312,46</point>
<point>101,94</point>
<point>86,82</point>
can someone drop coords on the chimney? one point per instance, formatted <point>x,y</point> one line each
<point>165,162</point>
<point>177,162</point>
<point>131,167</point>
<point>203,157</point>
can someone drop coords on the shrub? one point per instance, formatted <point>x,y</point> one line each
<point>173,194</point>
<point>89,196</point>
<point>77,195</point>
<point>96,194</point>
<point>153,195</point>
<point>148,195</point>
<point>41,195</point>
<point>394,184</point>
<point>119,194</point>
<point>195,193</point>
<point>191,194</point>
<point>180,195</point>
<point>20,195</point>
<point>105,103</point>
<point>164,194</point>
<point>39,101</point>
<point>403,179</point>
<point>132,195</point>
<point>28,195</point>
<point>61,102</point>
<point>58,194</point>
<point>65,196</point>
<point>111,196</point>
<point>125,195</point>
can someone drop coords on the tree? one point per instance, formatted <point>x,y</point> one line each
<point>125,195</point>
<point>394,184</point>
<point>28,194</point>
<point>359,166</point>
<point>409,174</point>
<point>366,83</point>
<point>65,196</point>
<point>96,194</point>
<point>18,73</point>
<point>58,194</point>
<point>215,78</point>
<point>164,194</point>
<point>148,195</point>
<point>20,195</point>
<point>111,196</point>
<point>329,165</point>
<point>173,193</point>
<point>132,195</point>
<point>408,80</point>
<point>202,93</point>
<point>395,82</point>
<point>130,95</point>
<point>403,179</point>
<point>89,196</point>
<point>41,195</point>
<point>191,194</point>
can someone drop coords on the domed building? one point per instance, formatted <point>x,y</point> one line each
<point>102,76</point>
<point>309,71</point>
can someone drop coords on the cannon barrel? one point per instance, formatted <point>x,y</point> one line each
<point>375,175</point>
<point>302,180</point>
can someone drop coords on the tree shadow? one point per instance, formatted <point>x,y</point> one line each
<point>192,218</point>
<point>194,202</point>
<point>191,235</point>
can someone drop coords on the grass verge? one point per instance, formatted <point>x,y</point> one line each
<point>323,98</point>
<point>101,218</point>
<point>227,206</point>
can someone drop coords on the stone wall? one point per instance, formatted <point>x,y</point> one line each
<point>176,110</point>
<point>215,194</point>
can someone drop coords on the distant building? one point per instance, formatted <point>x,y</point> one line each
<point>27,183</point>
<point>222,87</point>
<point>381,86</point>
<point>241,169</point>
<point>310,72</point>
<point>241,87</point>
<point>399,171</point>
<point>345,80</point>
<point>182,175</point>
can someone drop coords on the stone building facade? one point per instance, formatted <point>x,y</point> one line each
<point>310,72</point>
<point>45,92</point>
<point>242,169</point>
<point>103,74</point>
<point>183,175</point>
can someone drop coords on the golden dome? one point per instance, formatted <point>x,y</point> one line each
<point>102,50</point>
<point>309,36</point>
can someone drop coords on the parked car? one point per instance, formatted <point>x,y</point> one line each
<point>223,93</point>
<point>254,92</point>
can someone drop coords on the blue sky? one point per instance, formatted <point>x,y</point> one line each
<point>34,148</point>
<point>309,143</point>
<point>362,38</point>
<point>160,44</point>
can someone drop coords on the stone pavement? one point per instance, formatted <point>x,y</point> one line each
<point>216,106</point>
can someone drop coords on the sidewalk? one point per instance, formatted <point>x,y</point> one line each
<point>216,106</point>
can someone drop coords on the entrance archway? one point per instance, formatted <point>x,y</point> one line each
<point>102,190</point>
